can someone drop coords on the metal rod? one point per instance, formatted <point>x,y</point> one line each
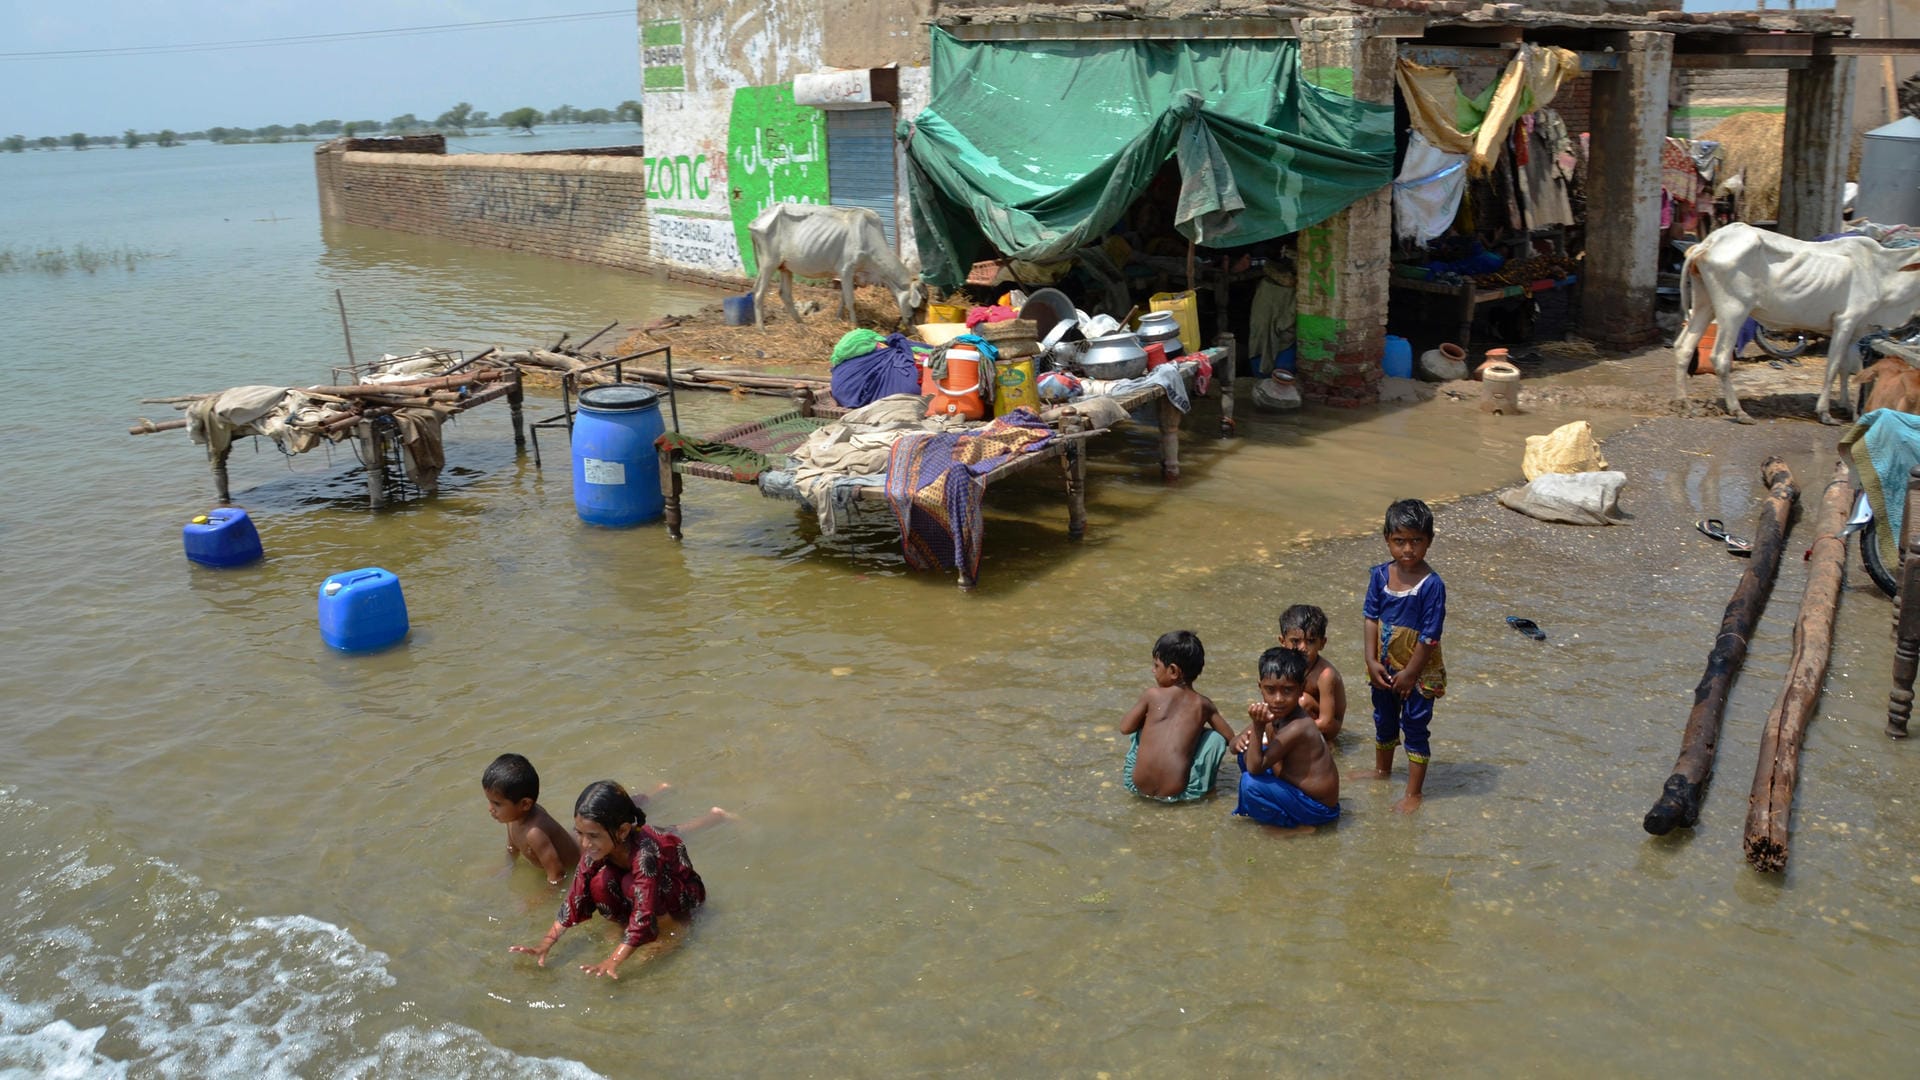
<point>673,400</point>
<point>344,332</point>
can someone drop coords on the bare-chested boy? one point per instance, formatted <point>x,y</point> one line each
<point>1304,627</point>
<point>1287,777</point>
<point>1179,736</point>
<point>513,794</point>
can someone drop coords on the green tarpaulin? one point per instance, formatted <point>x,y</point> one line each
<point>1037,148</point>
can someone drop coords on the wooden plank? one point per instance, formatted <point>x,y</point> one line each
<point>1858,46</point>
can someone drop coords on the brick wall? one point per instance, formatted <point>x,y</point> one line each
<point>1574,103</point>
<point>590,208</point>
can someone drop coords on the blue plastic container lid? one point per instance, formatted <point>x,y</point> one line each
<point>621,398</point>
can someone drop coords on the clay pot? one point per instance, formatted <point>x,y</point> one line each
<point>1494,356</point>
<point>1444,364</point>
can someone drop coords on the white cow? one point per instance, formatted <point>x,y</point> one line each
<point>845,242</point>
<point>1842,288</point>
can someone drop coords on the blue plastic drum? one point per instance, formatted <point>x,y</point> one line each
<point>1398,360</point>
<point>223,537</point>
<point>616,470</point>
<point>362,610</point>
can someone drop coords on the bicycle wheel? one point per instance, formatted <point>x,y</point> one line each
<point>1782,344</point>
<point>1870,558</point>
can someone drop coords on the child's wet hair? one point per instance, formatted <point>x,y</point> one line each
<point>512,777</point>
<point>1409,515</point>
<point>608,805</point>
<point>1281,662</point>
<point>1305,618</point>
<point>1181,649</point>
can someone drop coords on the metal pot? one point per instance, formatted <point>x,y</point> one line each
<point>1115,356</point>
<point>1160,327</point>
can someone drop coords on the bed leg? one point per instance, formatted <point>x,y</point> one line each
<point>1225,376</point>
<point>1169,418</point>
<point>670,487</point>
<point>1073,464</point>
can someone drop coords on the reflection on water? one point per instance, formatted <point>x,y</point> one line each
<point>231,844</point>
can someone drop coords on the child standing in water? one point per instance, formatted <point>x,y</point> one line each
<point>1172,755</point>
<point>630,872</point>
<point>1304,627</point>
<point>1405,609</point>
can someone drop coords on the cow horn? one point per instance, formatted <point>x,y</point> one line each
<point>1911,266</point>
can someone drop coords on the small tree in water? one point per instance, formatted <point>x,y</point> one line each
<point>167,137</point>
<point>628,110</point>
<point>78,140</point>
<point>522,118</point>
<point>132,137</point>
<point>16,143</point>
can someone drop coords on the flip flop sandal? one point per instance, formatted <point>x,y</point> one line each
<point>1712,529</point>
<point>1527,627</point>
<point>1739,546</point>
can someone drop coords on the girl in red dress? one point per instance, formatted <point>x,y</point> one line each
<point>630,872</point>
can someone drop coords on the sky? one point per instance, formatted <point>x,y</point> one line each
<point>586,63</point>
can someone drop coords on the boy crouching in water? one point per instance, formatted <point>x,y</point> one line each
<point>1287,777</point>
<point>1178,735</point>
<point>513,793</point>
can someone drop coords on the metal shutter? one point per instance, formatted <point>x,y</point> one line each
<point>860,162</point>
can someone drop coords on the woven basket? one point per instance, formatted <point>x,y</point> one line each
<point>1009,330</point>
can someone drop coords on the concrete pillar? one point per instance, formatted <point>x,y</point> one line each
<point>1819,143</point>
<point>1623,191</point>
<point>1343,262</point>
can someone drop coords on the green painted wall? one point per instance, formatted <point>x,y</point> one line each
<point>776,152</point>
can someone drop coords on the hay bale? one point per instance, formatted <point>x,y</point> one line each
<point>1753,143</point>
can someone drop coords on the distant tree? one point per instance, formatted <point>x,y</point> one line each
<point>480,119</point>
<point>303,130</point>
<point>524,117</point>
<point>167,137</point>
<point>274,132</point>
<point>218,134</point>
<point>132,138</point>
<point>47,142</point>
<point>456,118</point>
<point>353,127</point>
<point>596,116</point>
<point>628,110</point>
<point>15,143</point>
<point>78,139</point>
<point>403,123</point>
<point>563,114</point>
<point>326,127</point>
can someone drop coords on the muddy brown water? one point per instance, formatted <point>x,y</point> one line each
<point>235,851</point>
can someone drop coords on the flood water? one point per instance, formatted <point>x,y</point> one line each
<point>236,852</point>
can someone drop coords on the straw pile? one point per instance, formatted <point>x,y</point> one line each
<point>706,338</point>
<point>1753,143</point>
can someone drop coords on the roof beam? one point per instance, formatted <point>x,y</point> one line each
<point>1727,61</point>
<point>1395,26</point>
<point>1467,56</point>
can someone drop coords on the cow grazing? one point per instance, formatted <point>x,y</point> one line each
<point>1842,288</point>
<point>845,242</point>
<point>1895,385</point>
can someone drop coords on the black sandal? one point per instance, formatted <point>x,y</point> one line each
<point>1527,627</point>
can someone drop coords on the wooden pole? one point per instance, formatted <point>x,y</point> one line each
<point>371,449</point>
<point>1906,615</point>
<point>1771,802</point>
<point>1073,463</point>
<point>1679,803</point>
<point>221,490</point>
<point>344,332</point>
<point>515,399</point>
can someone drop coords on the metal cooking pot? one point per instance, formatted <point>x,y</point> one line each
<point>1161,327</point>
<point>1115,356</point>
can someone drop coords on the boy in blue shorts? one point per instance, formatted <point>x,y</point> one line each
<point>1405,609</point>
<point>1287,777</point>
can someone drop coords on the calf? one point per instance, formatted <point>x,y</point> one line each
<point>1842,288</point>
<point>1895,385</point>
<point>845,242</point>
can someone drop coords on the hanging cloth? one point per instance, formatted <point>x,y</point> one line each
<point>1458,124</point>
<point>1426,197</point>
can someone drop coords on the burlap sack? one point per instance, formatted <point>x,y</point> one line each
<point>1570,448</point>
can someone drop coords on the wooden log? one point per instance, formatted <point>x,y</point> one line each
<point>440,382</point>
<point>148,427</point>
<point>373,450</point>
<point>1774,777</point>
<point>1679,803</point>
<point>516,401</point>
<point>1073,464</point>
<point>1906,615</point>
